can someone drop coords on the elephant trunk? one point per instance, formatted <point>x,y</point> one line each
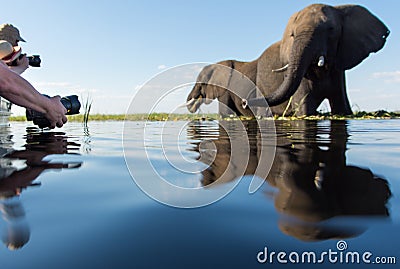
<point>300,59</point>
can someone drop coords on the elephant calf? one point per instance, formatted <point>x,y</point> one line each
<point>305,67</point>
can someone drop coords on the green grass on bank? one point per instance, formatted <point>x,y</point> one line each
<point>358,115</point>
<point>381,114</point>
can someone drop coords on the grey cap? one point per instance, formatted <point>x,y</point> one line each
<point>10,33</point>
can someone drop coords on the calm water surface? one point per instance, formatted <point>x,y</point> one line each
<point>67,199</point>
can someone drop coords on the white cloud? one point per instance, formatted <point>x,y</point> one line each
<point>388,77</point>
<point>161,67</point>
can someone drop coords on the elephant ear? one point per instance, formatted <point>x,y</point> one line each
<point>362,34</point>
<point>217,80</point>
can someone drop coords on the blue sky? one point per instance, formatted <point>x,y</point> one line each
<point>107,49</point>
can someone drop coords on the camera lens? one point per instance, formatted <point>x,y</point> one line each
<point>34,60</point>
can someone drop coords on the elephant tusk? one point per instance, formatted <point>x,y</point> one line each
<point>244,103</point>
<point>188,103</point>
<point>321,61</point>
<point>280,69</point>
<point>191,101</point>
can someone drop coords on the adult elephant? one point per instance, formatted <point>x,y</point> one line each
<point>320,42</point>
<point>214,80</point>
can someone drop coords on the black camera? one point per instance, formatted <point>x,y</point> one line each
<point>71,103</point>
<point>34,60</point>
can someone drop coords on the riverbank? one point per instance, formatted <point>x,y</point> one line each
<point>132,117</point>
<point>381,114</point>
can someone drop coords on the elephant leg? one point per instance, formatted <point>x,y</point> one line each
<point>340,105</point>
<point>339,101</point>
<point>226,106</point>
<point>259,111</point>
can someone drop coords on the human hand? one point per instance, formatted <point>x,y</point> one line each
<point>22,63</point>
<point>55,112</point>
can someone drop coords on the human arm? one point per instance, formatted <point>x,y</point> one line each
<point>20,92</point>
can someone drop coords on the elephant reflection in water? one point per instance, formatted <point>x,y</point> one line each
<point>18,171</point>
<point>309,170</point>
<point>216,152</point>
